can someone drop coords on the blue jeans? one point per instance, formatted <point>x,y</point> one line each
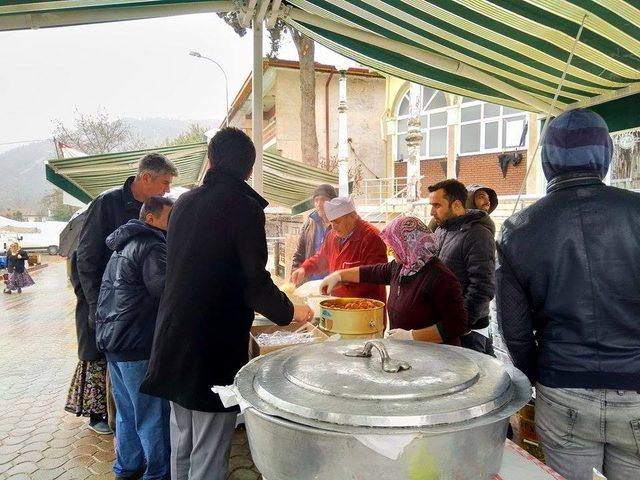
<point>581,429</point>
<point>142,424</point>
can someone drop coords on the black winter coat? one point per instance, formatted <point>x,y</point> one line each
<point>86,335</point>
<point>466,246</point>
<point>568,286</point>
<point>15,264</point>
<point>216,279</point>
<point>132,285</point>
<point>106,213</point>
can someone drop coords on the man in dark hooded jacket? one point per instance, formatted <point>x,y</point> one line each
<point>131,288</point>
<point>465,244</point>
<point>568,302</point>
<point>481,197</point>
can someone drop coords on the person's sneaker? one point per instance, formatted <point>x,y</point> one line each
<point>19,290</point>
<point>101,427</point>
<point>6,290</point>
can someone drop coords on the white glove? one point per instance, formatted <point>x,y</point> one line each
<point>329,283</point>
<point>400,334</point>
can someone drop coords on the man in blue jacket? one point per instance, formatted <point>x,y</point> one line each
<point>130,293</point>
<point>568,300</point>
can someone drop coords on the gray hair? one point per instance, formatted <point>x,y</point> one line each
<point>156,164</point>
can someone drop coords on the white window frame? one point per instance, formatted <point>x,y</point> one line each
<point>425,131</point>
<point>500,118</point>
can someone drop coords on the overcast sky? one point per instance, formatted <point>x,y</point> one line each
<point>135,69</point>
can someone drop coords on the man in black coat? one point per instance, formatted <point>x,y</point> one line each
<point>216,279</point>
<point>466,245</point>
<point>568,303</point>
<point>107,212</point>
<point>132,285</point>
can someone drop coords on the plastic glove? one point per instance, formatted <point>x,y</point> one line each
<point>400,334</point>
<point>330,282</point>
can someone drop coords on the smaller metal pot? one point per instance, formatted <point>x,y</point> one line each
<point>362,322</point>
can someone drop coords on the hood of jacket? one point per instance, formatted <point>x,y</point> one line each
<point>472,189</point>
<point>471,217</point>
<point>133,228</point>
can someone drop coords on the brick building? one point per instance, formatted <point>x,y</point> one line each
<point>474,141</point>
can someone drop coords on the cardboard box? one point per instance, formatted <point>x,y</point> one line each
<point>256,350</point>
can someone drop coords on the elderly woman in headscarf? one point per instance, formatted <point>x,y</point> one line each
<point>425,299</point>
<point>18,276</point>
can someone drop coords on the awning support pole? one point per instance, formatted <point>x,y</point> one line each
<point>549,114</point>
<point>343,138</point>
<point>257,113</point>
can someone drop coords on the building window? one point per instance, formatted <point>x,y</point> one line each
<point>433,123</point>
<point>485,127</point>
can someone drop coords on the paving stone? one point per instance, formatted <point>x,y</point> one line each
<point>25,467</point>
<point>107,457</point>
<point>19,476</point>
<point>100,468</point>
<point>243,474</point>
<point>15,440</point>
<point>77,473</point>
<point>88,440</point>
<point>79,461</point>
<point>48,463</point>
<point>61,442</point>
<point>9,449</point>
<point>47,474</point>
<point>240,461</point>
<point>4,467</point>
<point>86,449</point>
<point>6,458</point>
<point>34,447</point>
<point>56,452</point>
<point>28,457</point>
<point>40,437</point>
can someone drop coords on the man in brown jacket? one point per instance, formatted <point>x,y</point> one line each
<point>315,229</point>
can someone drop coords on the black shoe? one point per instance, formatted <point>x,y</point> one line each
<point>19,290</point>
<point>136,476</point>
<point>7,291</point>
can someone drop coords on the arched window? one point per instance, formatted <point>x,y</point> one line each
<point>485,127</point>
<point>433,123</point>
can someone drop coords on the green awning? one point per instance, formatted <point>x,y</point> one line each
<point>87,177</point>
<point>286,182</point>
<point>26,14</point>
<point>509,52</point>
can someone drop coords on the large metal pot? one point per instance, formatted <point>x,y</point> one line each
<point>333,411</point>
<point>360,323</point>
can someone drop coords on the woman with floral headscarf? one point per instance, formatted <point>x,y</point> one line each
<point>425,299</point>
<point>18,276</point>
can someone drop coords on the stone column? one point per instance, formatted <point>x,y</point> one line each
<point>343,138</point>
<point>414,141</point>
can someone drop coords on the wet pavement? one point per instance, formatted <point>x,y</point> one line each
<point>38,439</point>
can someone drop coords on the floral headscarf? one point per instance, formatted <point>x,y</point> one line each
<point>412,243</point>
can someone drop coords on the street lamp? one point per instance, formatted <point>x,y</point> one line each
<point>226,81</point>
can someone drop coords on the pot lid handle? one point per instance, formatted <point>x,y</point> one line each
<point>389,365</point>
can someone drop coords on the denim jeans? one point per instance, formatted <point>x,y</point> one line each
<point>142,424</point>
<point>585,429</point>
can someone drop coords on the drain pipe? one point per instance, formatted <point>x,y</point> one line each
<point>326,119</point>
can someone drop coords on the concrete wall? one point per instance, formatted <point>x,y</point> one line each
<point>366,103</point>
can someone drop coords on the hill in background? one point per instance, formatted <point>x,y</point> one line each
<point>23,178</point>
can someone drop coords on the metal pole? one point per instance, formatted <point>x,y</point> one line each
<point>257,113</point>
<point>343,147</point>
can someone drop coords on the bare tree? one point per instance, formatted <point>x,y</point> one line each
<point>97,133</point>
<point>306,56</point>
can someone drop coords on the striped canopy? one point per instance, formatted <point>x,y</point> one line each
<point>286,182</point>
<point>509,52</point>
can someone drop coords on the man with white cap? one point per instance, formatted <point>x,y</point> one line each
<point>352,242</point>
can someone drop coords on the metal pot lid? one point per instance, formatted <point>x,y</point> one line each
<point>388,384</point>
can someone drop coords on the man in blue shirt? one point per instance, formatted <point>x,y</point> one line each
<point>315,230</point>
